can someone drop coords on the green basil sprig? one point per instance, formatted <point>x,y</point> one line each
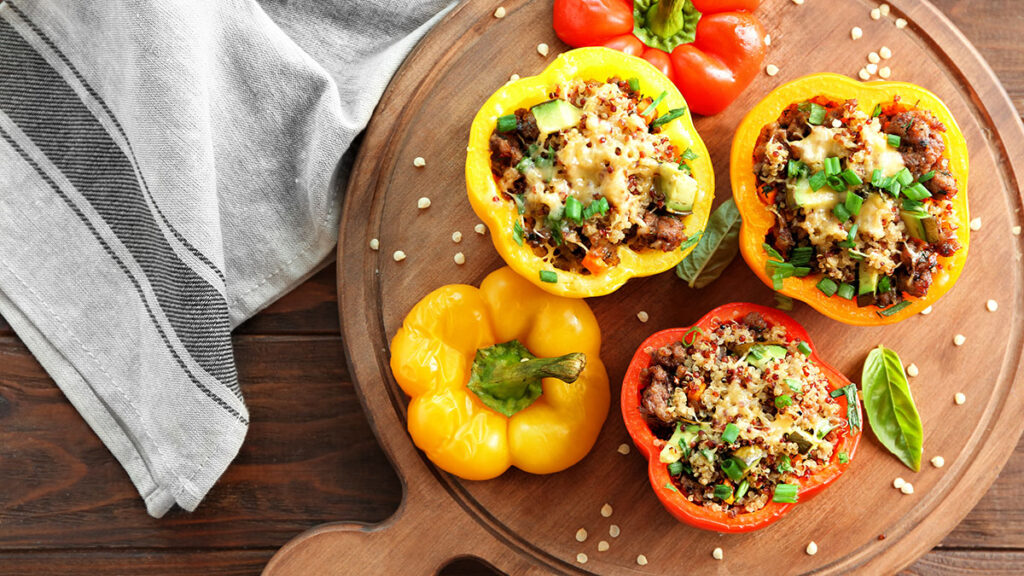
<point>890,407</point>
<point>717,247</point>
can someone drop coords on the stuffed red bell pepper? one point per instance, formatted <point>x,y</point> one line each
<point>739,418</point>
<point>710,49</point>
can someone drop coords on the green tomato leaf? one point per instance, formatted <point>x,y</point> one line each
<point>890,407</point>
<point>717,247</point>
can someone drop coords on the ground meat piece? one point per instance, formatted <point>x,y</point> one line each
<point>506,151</point>
<point>920,139</point>
<point>942,184</point>
<point>886,299</point>
<point>670,233</point>
<point>915,276</point>
<point>756,321</point>
<point>657,394</point>
<point>782,237</point>
<point>526,126</point>
<point>604,250</point>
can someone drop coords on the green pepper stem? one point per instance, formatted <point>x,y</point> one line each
<point>511,380</point>
<point>665,18</point>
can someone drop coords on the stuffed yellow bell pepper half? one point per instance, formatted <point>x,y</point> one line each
<point>589,173</point>
<point>501,375</point>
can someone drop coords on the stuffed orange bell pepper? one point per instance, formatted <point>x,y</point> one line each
<point>711,49</point>
<point>853,196</point>
<point>738,417</point>
<point>589,173</point>
<point>501,375</point>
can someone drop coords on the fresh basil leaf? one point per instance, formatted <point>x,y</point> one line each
<point>717,247</point>
<point>890,407</point>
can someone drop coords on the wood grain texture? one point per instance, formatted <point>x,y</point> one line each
<point>86,518</point>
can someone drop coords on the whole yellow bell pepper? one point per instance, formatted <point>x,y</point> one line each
<point>500,214</point>
<point>480,400</point>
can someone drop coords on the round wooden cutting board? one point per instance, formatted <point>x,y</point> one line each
<point>522,524</point>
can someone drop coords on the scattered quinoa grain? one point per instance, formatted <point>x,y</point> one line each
<point>927,311</point>
<point>606,510</point>
<point>480,229</point>
<point>643,316</point>
<point>456,236</point>
<point>623,449</point>
<point>771,69</point>
<point>641,560</point>
<point>581,535</point>
<point>976,224</point>
<point>419,162</point>
<point>874,58</point>
<point>907,488</point>
<point>959,339</point>
<point>460,258</point>
<point>798,2</point>
<point>938,461</point>
<point>856,33</point>
<point>864,74</point>
<point>513,77</point>
<point>884,9</point>
<point>581,558</point>
<point>374,244</point>
<point>876,14</point>
<point>614,531</point>
<point>871,68</point>
<point>767,39</point>
<point>812,548</point>
<point>912,370</point>
<point>959,398</point>
<point>603,546</point>
<point>423,203</point>
<point>901,23</point>
<point>1015,230</point>
<point>885,52</point>
<point>500,12</point>
<point>542,49</point>
<point>992,305</point>
<point>898,483</point>
<point>717,554</point>
<point>884,72</point>
<point>398,255</point>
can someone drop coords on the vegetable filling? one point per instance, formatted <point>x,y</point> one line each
<point>863,200</point>
<point>743,414</point>
<point>589,171</point>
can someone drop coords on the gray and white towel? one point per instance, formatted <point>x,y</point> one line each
<point>168,169</point>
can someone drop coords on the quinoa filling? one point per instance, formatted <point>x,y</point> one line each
<point>742,412</point>
<point>590,171</point>
<point>861,199</point>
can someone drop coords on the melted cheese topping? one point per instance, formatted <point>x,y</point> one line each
<point>820,144</point>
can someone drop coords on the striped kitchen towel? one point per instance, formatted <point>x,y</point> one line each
<point>168,169</point>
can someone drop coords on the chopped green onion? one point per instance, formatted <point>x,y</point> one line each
<point>895,187</point>
<point>851,177</point>
<point>634,84</point>
<point>916,192</point>
<point>796,169</point>
<point>507,123</point>
<point>690,242</point>
<point>671,486</point>
<point>653,105</point>
<point>689,154</point>
<point>732,469</point>
<point>927,176</point>
<point>877,178</point>
<point>836,183</point>
<point>884,285</point>
<point>846,291</point>
<point>548,276</point>
<point>877,111</point>
<point>772,251</point>
<point>852,414</point>
<point>851,235</point>
<point>817,181</point>
<point>599,206</point>
<point>841,212</point>
<point>524,165</point>
<point>912,205</point>
<point>723,491</point>
<point>574,209</point>
<point>816,115</point>
<point>777,282</point>
<point>804,348</point>
<point>520,203</point>
<point>783,401</point>
<point>741,490</point>
<point>794,385</point>
<point>801,255</point>
<point>843,458</point>
<point>670,116</point>
<point>832,166</point>
<point>893,140</point>
<point>853,201</point>
<point>517,232</point>
<point>856,254</point>
<point>708,454</point>
<point>801,271</point>
<point>732,431</point>
<point>786,493</point>
<point>675,468</point>
<point>894,308</point>
<point>685,168</point>
<point>784,464</point>
<point>904,177</point>
<point>783,302</point>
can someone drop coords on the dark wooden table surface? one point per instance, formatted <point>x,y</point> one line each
<point>67,507</point>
